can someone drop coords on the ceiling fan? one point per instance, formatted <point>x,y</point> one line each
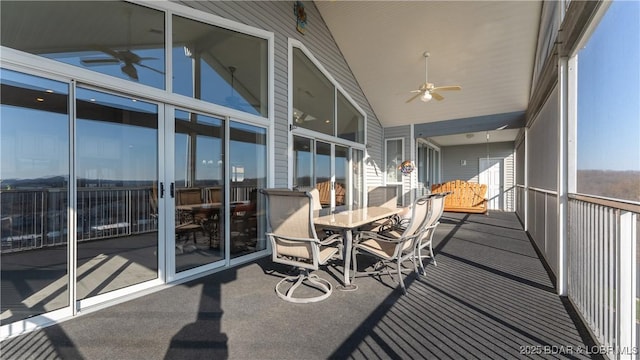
<point>128,58</point>
<point>428,90</point>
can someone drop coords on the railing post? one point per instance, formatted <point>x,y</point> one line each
<point>627,346</point>
<point>562,176</point>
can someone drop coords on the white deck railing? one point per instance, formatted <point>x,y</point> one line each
<point>602,270</point>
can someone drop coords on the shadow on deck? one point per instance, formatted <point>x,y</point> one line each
<point>489,297</point>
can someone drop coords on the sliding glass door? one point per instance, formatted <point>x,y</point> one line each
<point>34,187</point>
<point>335,170</point>
<point>116,170</point>
<point>107,212</point>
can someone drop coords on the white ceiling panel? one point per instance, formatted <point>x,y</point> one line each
<point>487,47</point>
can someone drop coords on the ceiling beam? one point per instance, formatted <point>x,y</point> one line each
<point>512,120</point>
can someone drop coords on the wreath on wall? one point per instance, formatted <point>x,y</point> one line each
<point>407,167</point>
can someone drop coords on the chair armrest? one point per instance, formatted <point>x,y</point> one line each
<point>290,238</point>
<point>335,238</point>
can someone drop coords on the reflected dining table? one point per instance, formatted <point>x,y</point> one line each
<point>348,220</point>
<point>207,215</point>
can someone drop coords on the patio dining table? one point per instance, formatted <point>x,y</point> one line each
<point>348,220</point>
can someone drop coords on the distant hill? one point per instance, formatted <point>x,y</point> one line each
<point>623,185</point>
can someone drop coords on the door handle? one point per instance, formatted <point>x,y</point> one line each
<point>161,190</point>
<point>172,190</point>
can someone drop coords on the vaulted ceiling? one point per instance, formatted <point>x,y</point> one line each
<point>487,47</point>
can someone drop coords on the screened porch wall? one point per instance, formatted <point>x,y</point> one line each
<point>542,171</point>
<point>278,17</point>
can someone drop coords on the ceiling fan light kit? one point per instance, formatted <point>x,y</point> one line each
<point>427,90</point>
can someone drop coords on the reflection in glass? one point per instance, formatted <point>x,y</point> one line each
<point>303,162</point>
<point>357,183</point>
<point>313,96</point>
<point>422,166</point>
<point>248,156</point>
<point>199,198</point>
<point>117,169</point>
<point>220,66</point>
<point>34,174</point>
<point>393,160</point>
<point>350,121</point>
<point>342,171</point>
<point>322,172</point>
<point>116,38</point>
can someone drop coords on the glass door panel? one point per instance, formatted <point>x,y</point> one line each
<point>116,169</point>
<point>357,182</point>
<point>34,168</point>
<point>324,163</point>
<point>248,157</point>
<point>342,185</point>
<point>302,162</point>
<point>323,172</point>
<point>199,190</point>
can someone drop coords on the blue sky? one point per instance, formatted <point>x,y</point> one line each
<point>609,92</point>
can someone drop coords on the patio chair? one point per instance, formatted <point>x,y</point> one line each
<point>436,208</point>
<point>393,247</point>
<point>294,242</point>
<point>382,196</point>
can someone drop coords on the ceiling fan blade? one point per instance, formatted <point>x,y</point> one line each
<point>130,70</point>
<point>99,61</point>
<point>436,96</point>
<point>414,97</point>
<point>150,68</point>
<point>448,88</point>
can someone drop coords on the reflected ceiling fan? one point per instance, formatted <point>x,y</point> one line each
<point>428,90</point>
<point>128,58</point>
<point>234,100</point>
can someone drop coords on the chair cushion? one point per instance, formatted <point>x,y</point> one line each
<point>380,248</point>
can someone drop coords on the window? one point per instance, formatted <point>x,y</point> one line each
<point>313,96</point>
<point>220,66</point>
<point>393,159</point>
<point>350,121</point>
<point>116,38</point>
<point>319,105</point>
<point>608,153</point>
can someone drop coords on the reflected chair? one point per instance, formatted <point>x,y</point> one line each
<point>294,242</point>
<point>436,208</point>
<point>187,225</point>
<point>214,195</point>
<point>394,247</point>
<point>189,196</point>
